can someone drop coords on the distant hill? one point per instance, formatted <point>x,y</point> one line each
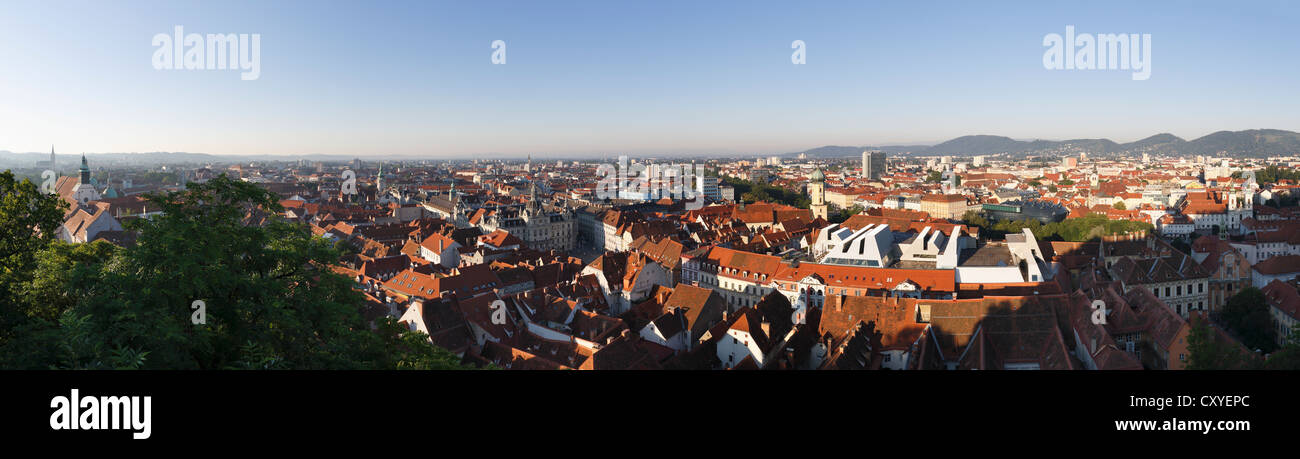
<point>980,144</point>
<point>1249,143</point>
<point>1255,142</point>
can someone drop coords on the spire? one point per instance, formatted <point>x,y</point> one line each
<point>532,196</point>
<point>85,170</point>
<point>52,156</point>
<point>455,203</point>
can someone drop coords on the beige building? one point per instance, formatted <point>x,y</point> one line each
<point>951,206</point>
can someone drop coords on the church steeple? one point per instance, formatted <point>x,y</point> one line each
<point>532,197</point>
<point>85,170</point>
<point>455,202</point>
<point>817,194</point>
<point>85,191</point>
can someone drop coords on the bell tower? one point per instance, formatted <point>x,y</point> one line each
<point>85,191</point>
<point>817,193</point>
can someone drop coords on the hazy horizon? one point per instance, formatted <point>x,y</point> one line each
<point>615,153</point>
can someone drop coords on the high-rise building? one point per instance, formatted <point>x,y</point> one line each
<point>709,185</point>
<point>873,164</point>
<point>727,193</point>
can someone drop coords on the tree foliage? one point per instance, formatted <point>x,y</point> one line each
<point>760,192</point>
<point>1080,229</point>
<point>29,220</point>
<point>843,214</point>
<point>1287,358</point>
<point>1273,174</point>
<point>269,297</point>
<point>1247,316</point>
<point>1207,352</point>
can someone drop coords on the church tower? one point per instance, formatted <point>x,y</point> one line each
<point>817,192</point>
<point>85,191</point>
<point>532,199</point>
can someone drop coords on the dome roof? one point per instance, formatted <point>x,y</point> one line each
<point>817,175</point>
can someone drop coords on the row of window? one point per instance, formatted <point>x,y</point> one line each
<point>1178,290</point>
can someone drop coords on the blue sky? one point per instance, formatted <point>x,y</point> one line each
<point>593,78</point>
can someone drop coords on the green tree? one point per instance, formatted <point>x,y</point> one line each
<point>59,266</point>
<point>1287,358</point>
<point>1119,205</point>
<point>29,220</point>
<point>974,218</point>
<point>1273,174</point>
<point>843,214</point>
<point>1207,352</point>
<point>1247,316</point>
<point>270,298</point>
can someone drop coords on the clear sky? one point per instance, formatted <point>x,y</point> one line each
<point>608,77</point>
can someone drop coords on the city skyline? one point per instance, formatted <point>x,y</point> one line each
<point>586,79</point>
<point>606,155</point>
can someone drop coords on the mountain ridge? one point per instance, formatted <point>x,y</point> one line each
<point>1247,143</point>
